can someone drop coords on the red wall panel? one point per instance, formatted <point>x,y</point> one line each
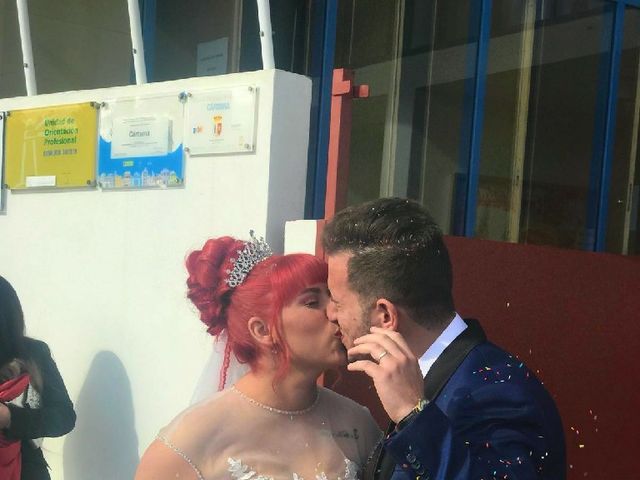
<point>574,318</point>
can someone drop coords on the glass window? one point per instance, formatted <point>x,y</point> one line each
<point>407,136</point>
<point>505,119</point>
<point>213,37</point>
<point>85,44</point>
<point>195,38</point>
<point>11,72</point>
<point>366,42</point>
<point>541,147</point>
<point>623,215</point>
<point>570,54</point>
<point>290,25</point>
<point>438,164</point>
<point>539,156</point>
<point>80,44</point>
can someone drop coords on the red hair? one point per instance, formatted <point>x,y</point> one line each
<point>270,286</point>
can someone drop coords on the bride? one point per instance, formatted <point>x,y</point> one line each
<point>274,422</point>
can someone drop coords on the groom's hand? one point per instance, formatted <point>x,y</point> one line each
<point>396,373</point>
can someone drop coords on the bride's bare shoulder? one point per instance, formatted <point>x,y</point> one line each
<point>183,445</point>
<point>197,426</point>
<point>160,462</point>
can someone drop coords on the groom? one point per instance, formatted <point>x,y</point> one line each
<point>461,407</point>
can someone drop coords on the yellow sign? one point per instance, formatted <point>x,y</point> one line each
<point>51,147</point>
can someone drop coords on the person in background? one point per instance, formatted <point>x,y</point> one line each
<point>34,402</point>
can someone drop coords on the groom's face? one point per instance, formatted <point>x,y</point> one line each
<point>345,307</point>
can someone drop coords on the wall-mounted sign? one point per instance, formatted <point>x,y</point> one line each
<point>141,143</point>
<point>212,57</point>
<point>221,121</point>
<point>140,137</point>
<point>51,147</point>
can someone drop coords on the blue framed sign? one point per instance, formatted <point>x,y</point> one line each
<point>141,143</point>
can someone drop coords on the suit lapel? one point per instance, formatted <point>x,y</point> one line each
<point>449,360</point>
<point>435,380</point>
<point>380,466</point>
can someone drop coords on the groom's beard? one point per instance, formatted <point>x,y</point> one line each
<point>364,327</point>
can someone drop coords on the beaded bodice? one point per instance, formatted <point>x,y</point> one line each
<point>232,436</point>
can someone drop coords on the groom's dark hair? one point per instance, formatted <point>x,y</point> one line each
<point>398,254</point>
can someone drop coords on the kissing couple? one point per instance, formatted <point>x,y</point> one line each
<point>382,304</point>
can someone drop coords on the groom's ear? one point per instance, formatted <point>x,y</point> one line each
<point>259,330</point>
<point>385,315</point>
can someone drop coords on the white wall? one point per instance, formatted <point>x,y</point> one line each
<point>101,274</point>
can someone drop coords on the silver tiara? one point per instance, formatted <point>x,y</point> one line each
<point>254,251</point>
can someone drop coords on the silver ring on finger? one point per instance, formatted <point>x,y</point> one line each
<point>381,356</point>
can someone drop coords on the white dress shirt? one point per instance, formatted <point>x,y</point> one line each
<point>449,334</point>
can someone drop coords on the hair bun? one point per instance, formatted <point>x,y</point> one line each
<point>206,287</point>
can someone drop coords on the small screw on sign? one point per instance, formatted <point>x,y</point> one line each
<point>247,146</point>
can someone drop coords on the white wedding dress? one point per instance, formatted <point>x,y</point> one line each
<point>231,436</point>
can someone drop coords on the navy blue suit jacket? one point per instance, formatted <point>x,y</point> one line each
<point>488,418</point>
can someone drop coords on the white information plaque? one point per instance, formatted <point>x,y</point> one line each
<point>221,121</point>
<point>140,136</point>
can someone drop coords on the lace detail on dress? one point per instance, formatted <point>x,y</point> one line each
<point>243,472</point>
<point>182,454</point>
<point>374,450</point>
<point>350,470</point>
<point>33,397</point>
<point>240,471</point>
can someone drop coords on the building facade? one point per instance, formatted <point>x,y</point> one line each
<point>512,121</point>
